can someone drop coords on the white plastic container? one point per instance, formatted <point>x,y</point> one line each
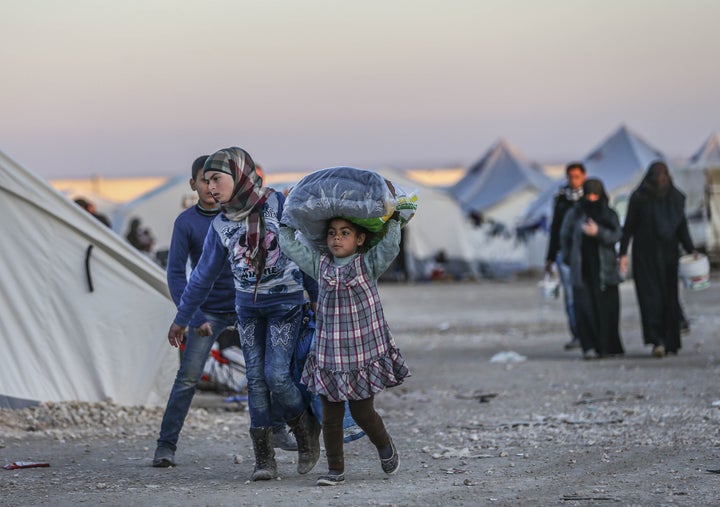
<point>695,272</point>
<point>549,287</point>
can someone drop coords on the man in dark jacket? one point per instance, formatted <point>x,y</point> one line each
<point>567,196</point>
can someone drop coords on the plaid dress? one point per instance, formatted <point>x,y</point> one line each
<point>355,355</point>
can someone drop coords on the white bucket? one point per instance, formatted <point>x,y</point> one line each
<point>695,272</point>
<point>549,288</point>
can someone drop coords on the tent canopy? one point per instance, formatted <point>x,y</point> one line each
<point>84,315</point>
<point>619,161</point>
<point>708,155</point>
<point>698,179</point>
<point>500,174</point>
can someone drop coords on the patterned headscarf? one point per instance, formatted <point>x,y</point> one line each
<point>246,201</point>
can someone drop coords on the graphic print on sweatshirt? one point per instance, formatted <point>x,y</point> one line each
<point>273,266</point>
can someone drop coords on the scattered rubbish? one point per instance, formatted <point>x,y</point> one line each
<point>443,326</point>
<point>559,420</point>
<point>26,464</point>
<point>713,471</point>
<point>468,482</point>
<point>507,356</point>
<point>453,470</point>
<point>588,401</point>
<point>575,498</point>
<point>715,403</point>
<point>450,452</point>
<point>477,395</point>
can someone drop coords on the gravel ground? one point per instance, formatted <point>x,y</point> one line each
<point>549,430</point>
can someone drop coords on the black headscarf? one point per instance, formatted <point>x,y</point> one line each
<point>666,201</point>
<point>594,209</point>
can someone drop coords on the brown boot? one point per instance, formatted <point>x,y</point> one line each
<point>307,434</point>
<point>265,466</point>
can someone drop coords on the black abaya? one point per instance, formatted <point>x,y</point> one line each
<point>597,308</point>
<point>655,256</point>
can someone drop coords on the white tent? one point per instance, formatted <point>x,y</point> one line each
<point>699,179</point>
<point>500,185</point>
<point>157,209</point>
<point>85,316</point>
<point>438,226</point>
<point>498,188</point>
<point>619,161</point>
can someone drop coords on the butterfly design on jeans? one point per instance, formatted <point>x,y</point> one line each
<point>282,334</point>
<point>247,333</point>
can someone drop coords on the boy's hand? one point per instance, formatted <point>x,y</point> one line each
<point>176,334</point>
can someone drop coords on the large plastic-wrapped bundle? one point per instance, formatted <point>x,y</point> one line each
<point>358,195</point>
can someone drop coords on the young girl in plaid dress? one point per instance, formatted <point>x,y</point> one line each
<point>355,355</point>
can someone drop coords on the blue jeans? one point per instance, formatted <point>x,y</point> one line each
<point>268,337</point>
<point>565,278</point>
<point>197,350</point>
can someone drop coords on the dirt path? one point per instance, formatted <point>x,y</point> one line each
<point>551,430</point>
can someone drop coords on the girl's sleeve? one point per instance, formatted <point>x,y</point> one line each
<point>211,263</point>
<point>306,257</point>
<point>311,287</point>
<point>379,258</point>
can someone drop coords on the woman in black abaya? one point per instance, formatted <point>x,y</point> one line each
<point>656,225</point>
<point>588,236</point>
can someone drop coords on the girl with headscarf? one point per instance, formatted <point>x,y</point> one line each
<point>588,236</point>
<point>656,225</point>
<point>268,300</point>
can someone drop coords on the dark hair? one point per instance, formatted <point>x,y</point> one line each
<point>83,203</point>
<point>198,165</point>
<point>575,165</point>
<point>359,229</point>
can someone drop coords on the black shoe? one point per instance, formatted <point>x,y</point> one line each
<point>331,479</point>
<point>573,344</point>
<point>390,465</point>
<point>164,458</point>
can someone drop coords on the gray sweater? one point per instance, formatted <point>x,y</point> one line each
<point>609,233</point>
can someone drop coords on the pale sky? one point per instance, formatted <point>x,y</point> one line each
<point>142,87</point>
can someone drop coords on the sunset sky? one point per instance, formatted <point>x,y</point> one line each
<point>142,87</point>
